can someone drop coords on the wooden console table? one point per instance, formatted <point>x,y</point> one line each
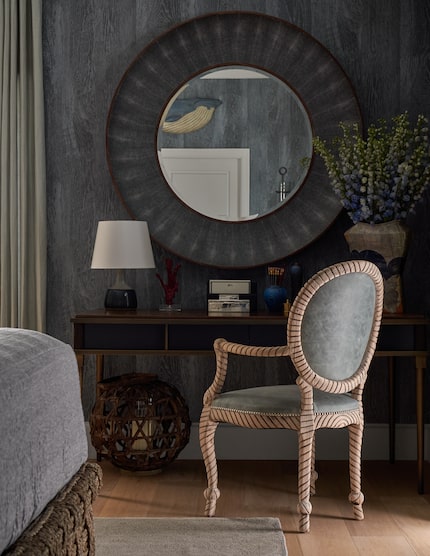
<point>102,333</point>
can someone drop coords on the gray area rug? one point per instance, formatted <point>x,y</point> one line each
<point>216,536</point>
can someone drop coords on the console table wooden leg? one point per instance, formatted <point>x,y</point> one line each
<point>80,361</point>
<point>99,370</point>
<point>392,410</point>
<point>420,364</point>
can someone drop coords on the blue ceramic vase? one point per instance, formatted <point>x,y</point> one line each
<point>274,298</point>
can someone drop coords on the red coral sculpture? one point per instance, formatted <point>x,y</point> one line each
<point>171,287</point>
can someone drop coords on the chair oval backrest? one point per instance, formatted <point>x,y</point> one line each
<point>334,322</point>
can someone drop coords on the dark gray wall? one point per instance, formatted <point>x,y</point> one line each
<point>384,48</point>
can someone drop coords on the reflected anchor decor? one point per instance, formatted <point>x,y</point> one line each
<point>283,187</point>
<point>170,287</point>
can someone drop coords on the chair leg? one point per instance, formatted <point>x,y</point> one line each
<point>304,506</point>
<point>207,431</point>
<point>356,497</point>
<point>314,473</point>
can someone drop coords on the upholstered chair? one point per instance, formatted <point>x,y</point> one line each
<point>332,331</point>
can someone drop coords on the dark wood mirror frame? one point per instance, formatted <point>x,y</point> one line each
<point>165,65</point>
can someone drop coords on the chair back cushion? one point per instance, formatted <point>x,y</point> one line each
<point>335,320</point>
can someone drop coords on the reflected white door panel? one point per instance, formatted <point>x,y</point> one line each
<point>214,182</point>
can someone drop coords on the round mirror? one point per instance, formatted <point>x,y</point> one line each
<point>140,105</point>
<point>235,143</point>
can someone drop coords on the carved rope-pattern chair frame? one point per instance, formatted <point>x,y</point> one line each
<point>307,420</point>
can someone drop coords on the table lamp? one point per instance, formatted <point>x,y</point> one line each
<point>122,244</point>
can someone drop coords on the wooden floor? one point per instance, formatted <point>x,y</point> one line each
<point>397,519</point>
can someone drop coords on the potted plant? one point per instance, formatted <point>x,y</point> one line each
<point>379,179</point>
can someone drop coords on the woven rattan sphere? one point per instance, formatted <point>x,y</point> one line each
<point>139,422</point>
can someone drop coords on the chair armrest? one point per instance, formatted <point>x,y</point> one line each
<point>222,348</point>
<point>251,351</point>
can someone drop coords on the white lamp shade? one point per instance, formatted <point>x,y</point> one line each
<point>122,244</point>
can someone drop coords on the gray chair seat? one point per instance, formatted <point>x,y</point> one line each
<point>282,400</point>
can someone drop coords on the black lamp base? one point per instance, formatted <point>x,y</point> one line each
<point>120,299</point>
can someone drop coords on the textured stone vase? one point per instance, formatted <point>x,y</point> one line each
<point>385,245</point>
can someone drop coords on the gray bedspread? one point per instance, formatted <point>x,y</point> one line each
<point>42,430</point>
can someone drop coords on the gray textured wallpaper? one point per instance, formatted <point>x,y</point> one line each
<point>383,47</point>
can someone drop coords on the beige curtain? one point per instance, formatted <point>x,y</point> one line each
<point>22,167</point>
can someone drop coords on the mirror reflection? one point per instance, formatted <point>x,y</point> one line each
<point>234,143</point>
